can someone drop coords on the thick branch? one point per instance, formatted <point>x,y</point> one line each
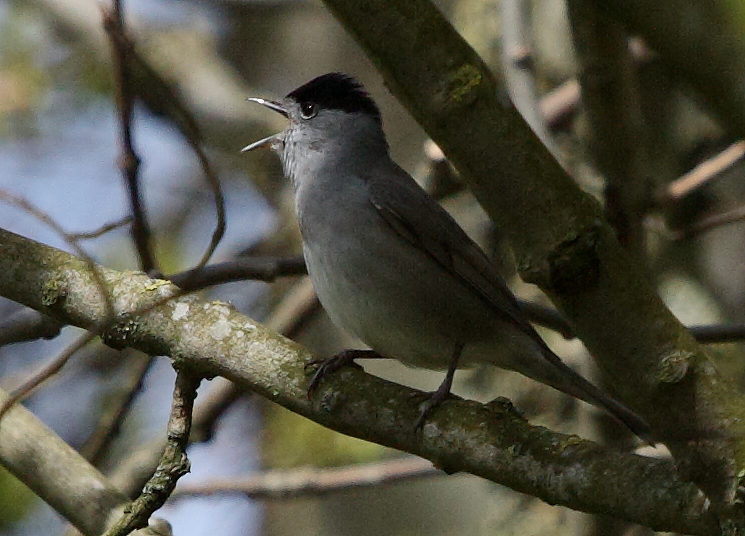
<point>55,472</point>
<point>617,134</point>
<point>491,441</point>
<point>561,239</point>
<point>703,43</point>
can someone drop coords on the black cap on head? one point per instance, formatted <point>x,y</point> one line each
<point>337,91</point>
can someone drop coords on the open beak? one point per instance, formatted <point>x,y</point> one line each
<point>269,140</point>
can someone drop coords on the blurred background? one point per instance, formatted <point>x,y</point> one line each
<point>60,151</point>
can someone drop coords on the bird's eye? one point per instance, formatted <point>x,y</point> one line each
<point>308,110</point>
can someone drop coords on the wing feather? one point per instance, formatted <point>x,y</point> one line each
<point>420,220</point>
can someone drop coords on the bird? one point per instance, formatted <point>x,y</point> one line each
<point>389,265</point>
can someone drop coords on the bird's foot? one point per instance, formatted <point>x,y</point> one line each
<point>434,399</point>
<point>334,363</point>
<point>443,391</point>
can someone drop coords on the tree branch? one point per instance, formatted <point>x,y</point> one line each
<point>28,325</point>
<point>255,268</point>
<point>129,160</point>
<point>519,67</point>
<point>55,472</point>
<point>703,43</point>
<point>491,441</point>
<point>616,127</point>
<point>173,463</point>
<point>308,481</point>
<point>561,240</point>
<point>118,406</point>
<point>46,372</point>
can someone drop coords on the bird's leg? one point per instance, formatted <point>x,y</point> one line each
<point>334,363</point>
<point>436,397</point>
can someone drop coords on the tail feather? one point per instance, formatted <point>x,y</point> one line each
<point>571,383</point>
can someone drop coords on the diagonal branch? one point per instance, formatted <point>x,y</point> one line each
<point>55,472</point>
<point>561,240</point>
<point>617,131</point>
<point>491,441</point>
<point>173,463</point>
<point>703,43</point>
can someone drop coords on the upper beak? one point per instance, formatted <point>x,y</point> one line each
<point>272,105</point>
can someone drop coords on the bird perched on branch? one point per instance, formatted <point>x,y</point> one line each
<point>389,264</point>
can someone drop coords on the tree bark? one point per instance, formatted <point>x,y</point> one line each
<point>492,441</point>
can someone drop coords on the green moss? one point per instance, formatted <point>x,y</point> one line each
<point>52,293</point>
<point>463,83</point>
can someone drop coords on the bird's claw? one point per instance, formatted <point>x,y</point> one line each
<point>433,400</point>
<point>332,364</point>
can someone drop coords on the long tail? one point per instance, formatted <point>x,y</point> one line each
<point>568,381</point>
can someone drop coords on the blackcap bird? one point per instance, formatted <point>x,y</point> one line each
<point>389,264</point>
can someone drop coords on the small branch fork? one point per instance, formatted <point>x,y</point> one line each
<point>173,463</point>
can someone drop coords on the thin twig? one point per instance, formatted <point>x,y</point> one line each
<point>214,183</point>
<point>28,207</point>
<point>179,113</point>
<point>314,481</point>
<point>550,318</point>
<point>711,222</point>
<point>102,230</point>
<point>46,372</point>
<point>560,104</point>
<point>701,174</point>
<point>250,268</point>
<point>129,161</point>
<point>173,465</point>
<point>215,402</point>
<point>118,406</point>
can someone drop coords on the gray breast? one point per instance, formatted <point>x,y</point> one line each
<point>379,287</point>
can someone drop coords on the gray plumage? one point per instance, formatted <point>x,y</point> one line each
<point>388,263</point>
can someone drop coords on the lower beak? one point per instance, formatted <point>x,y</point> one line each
<point>272,105</point>
<point>261,143</point>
